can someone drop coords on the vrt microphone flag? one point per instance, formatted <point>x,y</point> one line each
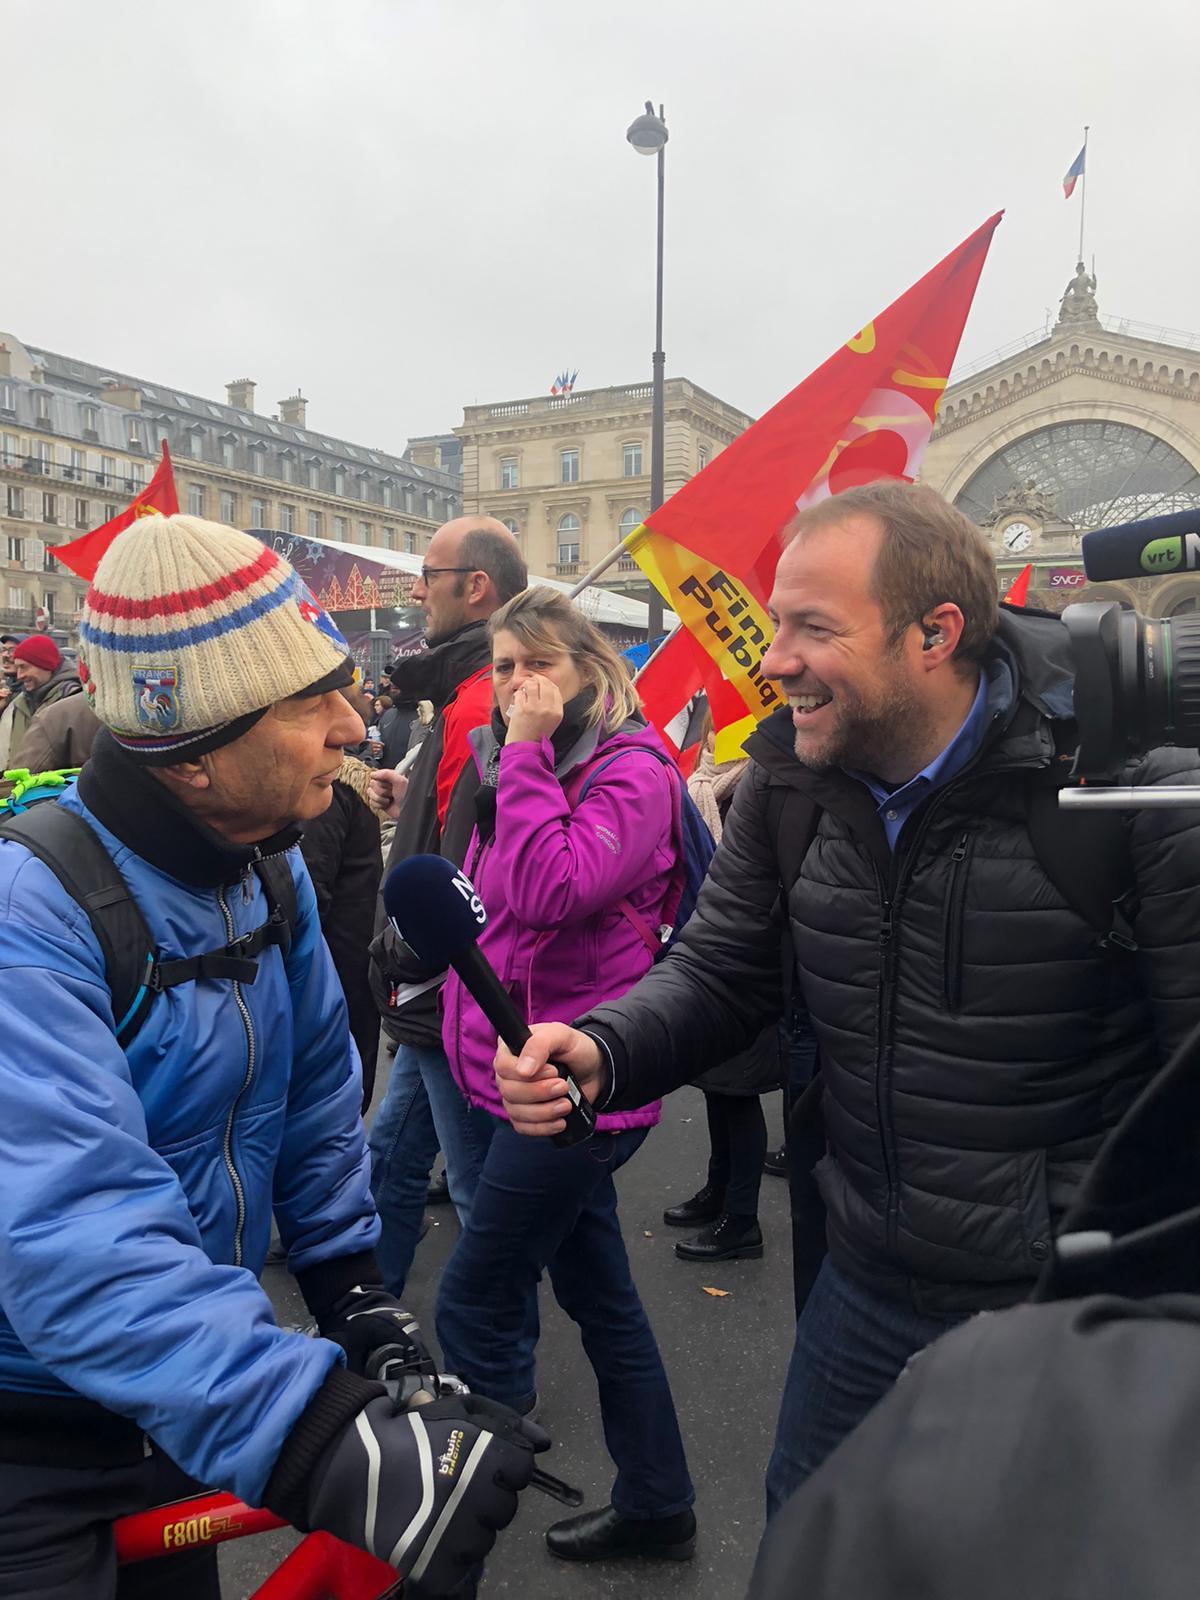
<point>711,549</point>
<point>84,555</point>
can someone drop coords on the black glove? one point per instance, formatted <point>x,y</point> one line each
<point>427,1489</point>
<point>380,1338</point>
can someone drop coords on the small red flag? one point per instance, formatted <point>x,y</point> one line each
<point>1018,591</point>
<point>84,555</point>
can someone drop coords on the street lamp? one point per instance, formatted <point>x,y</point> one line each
<point>648,136</point>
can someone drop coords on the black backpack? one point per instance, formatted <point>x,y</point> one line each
<point>64,843</point>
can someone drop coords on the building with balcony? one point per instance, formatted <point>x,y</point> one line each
<point>77,441</point>
<point>570,474</point>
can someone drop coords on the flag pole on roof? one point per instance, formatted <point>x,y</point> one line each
<point>1076,171</point>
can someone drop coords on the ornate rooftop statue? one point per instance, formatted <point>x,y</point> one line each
<point>1079,298</point>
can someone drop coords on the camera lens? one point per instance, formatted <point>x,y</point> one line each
<point>1137,684</point>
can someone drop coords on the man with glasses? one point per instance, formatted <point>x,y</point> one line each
<point>473,566</point>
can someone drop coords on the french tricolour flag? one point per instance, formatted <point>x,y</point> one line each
<point>1074,173</point>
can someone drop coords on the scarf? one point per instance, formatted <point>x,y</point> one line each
<point>711,786</point>
<point>575,715</point>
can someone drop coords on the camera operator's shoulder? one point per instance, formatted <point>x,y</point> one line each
<point>1168,764</point>
<point>1174,828</point>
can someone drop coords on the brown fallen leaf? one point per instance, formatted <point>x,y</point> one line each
<point>718,1294</point>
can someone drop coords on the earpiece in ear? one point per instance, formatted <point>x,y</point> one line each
<point>932,636</point>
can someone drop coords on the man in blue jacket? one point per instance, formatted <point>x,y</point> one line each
<point>143,1154</point>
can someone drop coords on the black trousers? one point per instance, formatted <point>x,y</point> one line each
<point>737,1132</point>
<point>56,1539</point>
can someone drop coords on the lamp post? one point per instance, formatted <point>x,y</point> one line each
<point>648,136</point>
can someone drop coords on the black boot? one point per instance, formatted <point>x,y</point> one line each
<point>728,1238</point>
<point>775,1164</point>
<point>601,1535</point>
<point>706,1206</point>
<point>438,1193</point>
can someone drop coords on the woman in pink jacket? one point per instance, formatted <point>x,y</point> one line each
<point>576,857</point>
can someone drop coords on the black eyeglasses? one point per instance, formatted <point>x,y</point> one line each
<point>432,572</point>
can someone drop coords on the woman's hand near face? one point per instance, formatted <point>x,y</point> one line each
<point>535,711</point>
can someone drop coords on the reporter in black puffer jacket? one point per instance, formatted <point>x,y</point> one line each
<point>978,1035</point>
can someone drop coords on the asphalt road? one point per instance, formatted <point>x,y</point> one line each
<point>726,1357</point>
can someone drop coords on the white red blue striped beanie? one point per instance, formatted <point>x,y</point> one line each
<point>191,630</point>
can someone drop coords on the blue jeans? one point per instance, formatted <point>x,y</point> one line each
<point>538,1206</point>
<point>851,1346</point>
<point>422,1112</point>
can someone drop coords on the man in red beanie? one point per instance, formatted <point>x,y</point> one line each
<point>44,677</point>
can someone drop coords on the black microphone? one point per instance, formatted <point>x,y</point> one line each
<point>434,908</point>
<point>1143,549</point>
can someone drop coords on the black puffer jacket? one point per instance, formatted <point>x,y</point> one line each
<point>977,1043</point>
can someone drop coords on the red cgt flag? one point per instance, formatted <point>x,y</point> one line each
<point>711,549</point>
<point>84,555</point>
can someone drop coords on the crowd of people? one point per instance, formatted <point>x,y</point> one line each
<point>886,926</point>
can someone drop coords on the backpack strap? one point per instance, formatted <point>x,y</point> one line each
<point>275,875</point>
<point>62,841</point>
<point>1085,854</point>
<point>577,790</point>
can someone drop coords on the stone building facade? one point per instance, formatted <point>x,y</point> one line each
<point>77,441</point>
<point>1090,423</point>
<point>570,474</point>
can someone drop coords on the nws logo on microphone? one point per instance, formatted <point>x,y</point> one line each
<point>466,888</point>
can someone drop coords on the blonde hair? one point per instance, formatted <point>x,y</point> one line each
<point>546,621</point>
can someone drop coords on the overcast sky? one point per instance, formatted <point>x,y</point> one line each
<point>406,206</point>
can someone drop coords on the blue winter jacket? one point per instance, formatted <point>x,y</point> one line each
<point>136,1188</point>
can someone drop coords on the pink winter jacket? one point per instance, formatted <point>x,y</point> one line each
<point>550,879</point>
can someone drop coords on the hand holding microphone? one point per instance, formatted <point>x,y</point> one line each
<point>435,910</point>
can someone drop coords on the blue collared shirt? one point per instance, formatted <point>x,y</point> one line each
<point>897,805</point>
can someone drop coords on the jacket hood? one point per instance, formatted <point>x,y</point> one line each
<point>65,681</point>
<point>435,673</point>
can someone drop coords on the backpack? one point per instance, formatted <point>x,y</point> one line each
<point>695,851</point>
<point>70,848</point>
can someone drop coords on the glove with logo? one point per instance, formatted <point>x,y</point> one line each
<point>426,1490</point>
<point>381,1339</point>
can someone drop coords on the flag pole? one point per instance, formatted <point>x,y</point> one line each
<point>598,570</point>
<point>655,653</point>
<point>1083,192</point>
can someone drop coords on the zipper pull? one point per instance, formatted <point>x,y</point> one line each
<point>247,887</point>
<point>885,927</point>
<point>960,849</point>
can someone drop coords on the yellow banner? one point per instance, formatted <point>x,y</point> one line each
<point>719,611</point>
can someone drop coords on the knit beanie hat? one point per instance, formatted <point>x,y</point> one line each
<point>38,651</point>
<point>191,631</point>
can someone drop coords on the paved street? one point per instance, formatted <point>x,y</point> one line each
<point>726,1358</point>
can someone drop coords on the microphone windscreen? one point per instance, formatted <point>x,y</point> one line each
<point>1140,549</point>
<point>434,907</point>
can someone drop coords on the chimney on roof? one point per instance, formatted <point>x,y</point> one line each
<point>293,409</point>
<point>241,394</point>
<point>122,394</point>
